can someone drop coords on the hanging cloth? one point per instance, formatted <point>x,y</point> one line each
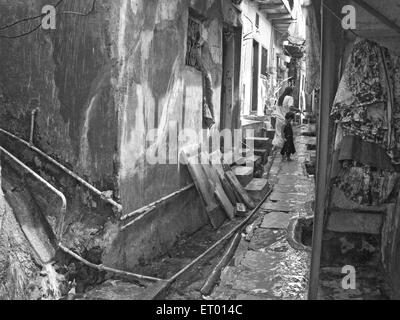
<point>360,104</point>
<point>395,63</point>
<point>365,104</point>
<point>361,83</point>
<point>366,142</point>
<point>371,154</point>
<point>391,69</point>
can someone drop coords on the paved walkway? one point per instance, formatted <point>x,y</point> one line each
<point>266,266</point>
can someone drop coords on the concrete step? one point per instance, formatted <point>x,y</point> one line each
<point>257,189</point>
<point>258,142</point>
<point>251,161</point>
<point>264,154</point>
<point>276,220</point>
<point>261,152</point>
<point>232,157</point>
<point>243,174</point>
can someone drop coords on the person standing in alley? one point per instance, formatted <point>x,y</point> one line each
<point>288,137</point>
<point>285,105</point>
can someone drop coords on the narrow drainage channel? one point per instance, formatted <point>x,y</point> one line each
<point>184,252</point>
<point>312,164</point>
<point>311,168</point>
<point>311,147</point>
<point>300,233</point>
<point>190,284</point>
<point>204,250</point>
<point>165,266</point>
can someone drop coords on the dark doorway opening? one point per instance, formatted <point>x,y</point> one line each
<point>256,72</point>
<point>264,62</point>
<point>230,95</point>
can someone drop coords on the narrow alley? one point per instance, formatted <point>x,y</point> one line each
<point>192,150</point>
<point>273,258</point>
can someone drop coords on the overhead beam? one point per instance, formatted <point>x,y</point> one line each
<point>284,20</point>
<point>277,16</point>
<point>381,17</point>
<point>282,25</point>
<point>272,6</point>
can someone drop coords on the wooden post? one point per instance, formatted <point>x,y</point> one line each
<point>330,38</point>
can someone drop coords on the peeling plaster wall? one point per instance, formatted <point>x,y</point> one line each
<point>101,83</point>
<point>67,73</point>
<point>156,89</point>
<point>263,37</point>
<point>70,75</point>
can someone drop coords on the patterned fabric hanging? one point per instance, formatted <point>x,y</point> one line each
<point>394,70</point>
<point>360,104</point>
<point>367,112</point>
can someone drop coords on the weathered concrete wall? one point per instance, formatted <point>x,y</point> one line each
<point>266,38</point>
<point>156,88</point>
<point>101,83</point>
<point>157,232</point>
<point>67,73</point>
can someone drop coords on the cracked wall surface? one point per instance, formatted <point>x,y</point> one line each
<point>101,82</point>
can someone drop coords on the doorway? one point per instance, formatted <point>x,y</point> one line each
<point>230,100</point>
<point>256,74</point>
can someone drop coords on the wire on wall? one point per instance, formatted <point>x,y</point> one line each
<point>10,25</point>
<point>37,27</point>
<point>80,13</point>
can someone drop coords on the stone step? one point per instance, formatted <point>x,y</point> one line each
<point>232,157</point>
<point>257,189</point>
<point>244,152</point>
<point>261,152</point>
<point>276,220</point>
<point>264,154</point>
<point>251,161</point>
<point>243,174</point>
<point>258,143</point>
<point>278,207</point>
<point>355,222</point>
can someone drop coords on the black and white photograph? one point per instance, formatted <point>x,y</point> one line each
<point>200,155</point>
